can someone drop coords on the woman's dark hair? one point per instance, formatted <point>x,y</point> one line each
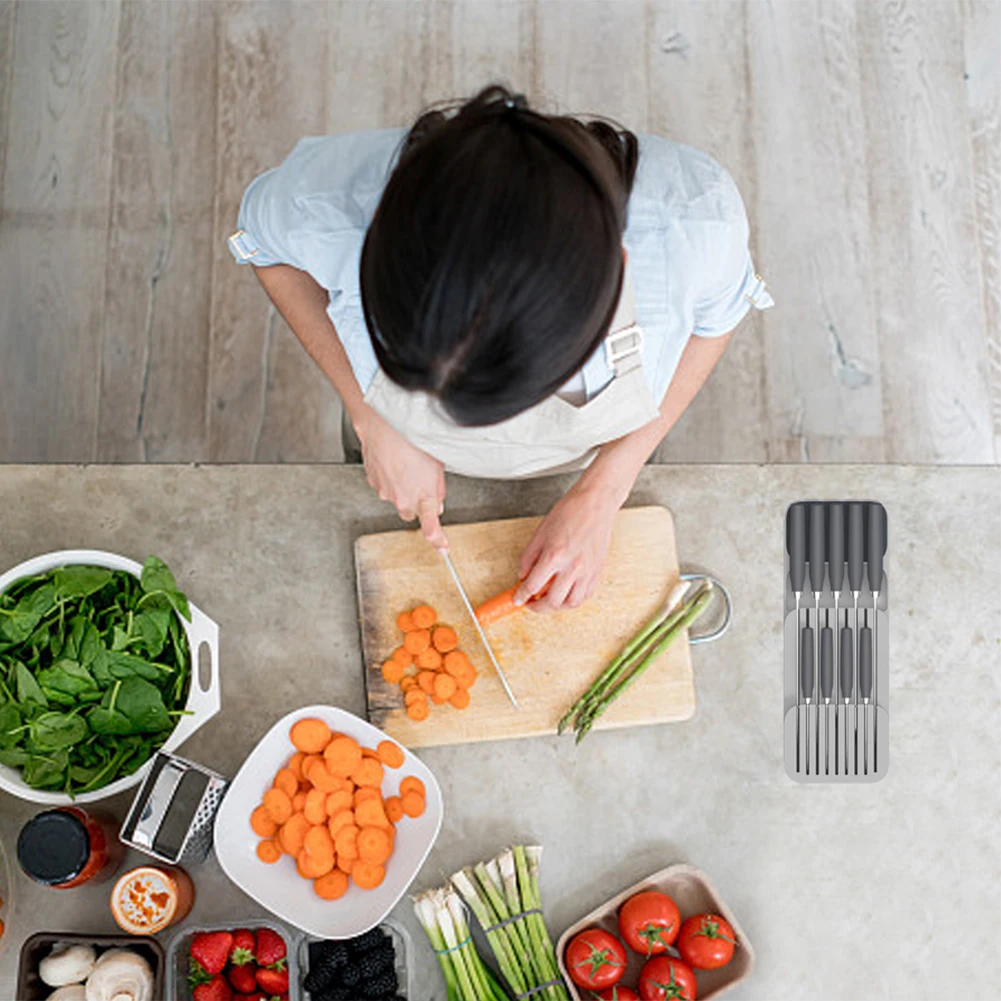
<point>493,264</point>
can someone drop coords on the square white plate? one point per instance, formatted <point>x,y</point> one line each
<point>279,887</point>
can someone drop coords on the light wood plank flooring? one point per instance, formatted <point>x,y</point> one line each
<point>865,137</point>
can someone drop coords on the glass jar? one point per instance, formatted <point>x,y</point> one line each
<point>67,847</point>
<point>150,898</point>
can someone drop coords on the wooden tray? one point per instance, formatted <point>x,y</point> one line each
<point>693,893</point>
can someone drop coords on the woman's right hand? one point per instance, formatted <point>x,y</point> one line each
<point>411,480</point>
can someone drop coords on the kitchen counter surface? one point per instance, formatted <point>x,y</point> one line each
<point>864,892</point>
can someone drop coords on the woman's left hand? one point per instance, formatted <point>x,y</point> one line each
<point>569,549</point>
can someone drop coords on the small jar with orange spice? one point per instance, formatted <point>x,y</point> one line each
<point>148,899</point>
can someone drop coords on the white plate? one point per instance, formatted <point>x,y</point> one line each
<point>279,887</point>
<point>202,704</point>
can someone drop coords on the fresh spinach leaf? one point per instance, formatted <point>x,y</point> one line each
<point>158,581</point>
<point>46,771</point>
<point>54,731</point>
<point>79,581</point>
<point>19,623</point>
<point>67,677</point>
<point>10,725</point>
<point>28,689</point>
<point>13,757</point>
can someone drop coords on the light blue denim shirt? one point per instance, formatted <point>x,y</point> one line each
<point>686,238</point>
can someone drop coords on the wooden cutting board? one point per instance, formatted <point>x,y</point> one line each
<point>549,659</point>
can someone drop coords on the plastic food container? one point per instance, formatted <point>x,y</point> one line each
<point>180,945</point>
<point>278,887</point>
<point>37,947</point>
<point>202,704</point>
<point>403,945</point>
<point>694,894</point>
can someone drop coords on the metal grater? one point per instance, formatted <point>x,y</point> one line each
<point>172,816</point>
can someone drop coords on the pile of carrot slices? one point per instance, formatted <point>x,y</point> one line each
<point>429,666</point>
<point>325,809</point>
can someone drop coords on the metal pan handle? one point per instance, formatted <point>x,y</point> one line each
<point>727,612</point>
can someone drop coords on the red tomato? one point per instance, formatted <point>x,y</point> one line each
<point>706,941</point>
<point>667,979</point>
<point>595,959</point>
<point>649,922</point>
<point>618,993</point>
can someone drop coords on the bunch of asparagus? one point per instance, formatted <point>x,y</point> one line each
<point>684,606</point>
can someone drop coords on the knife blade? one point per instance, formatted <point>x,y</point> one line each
<point>479,629</point>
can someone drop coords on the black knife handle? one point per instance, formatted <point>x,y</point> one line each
<point>876,545</point>
<point>796,545</point>
<point>865,662</point>
<point>826,662</point>
<point>836,545</point>
<point>847,662</point>
<point>818,547</point>
<point>856,544</point>
<point>806,661</point>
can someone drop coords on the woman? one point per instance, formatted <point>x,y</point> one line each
<point>498,292</point>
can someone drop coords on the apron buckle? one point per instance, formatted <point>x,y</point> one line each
<point>615,355</point>
<point>236,243</point>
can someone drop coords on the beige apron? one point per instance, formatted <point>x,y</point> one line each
<point>554,436</point>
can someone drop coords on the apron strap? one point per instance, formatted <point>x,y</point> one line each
<point>624,350</point>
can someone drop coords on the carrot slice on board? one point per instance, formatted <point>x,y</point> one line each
<point>444,639</point>
<point>278,804</point>
<point>343,756</point>
<point>412,784</point>
<point>460,698</point>
<point>455,662</point>
<point>390,754</point>
<point>424,616</point>
<point>367,876</point>
<point>332,886</point>
<point>426,681</point>
<point>428,660</point>
<point>369,773</point>
<point>394,809</point>
<point>444,686</point>
<point>405,621</point>
<point>392,672</point>
<point>310,736</point>
<point>418,711</point>
<point>262,823</point>
<point>466,677</point>
<point>402,656</point>
<point>418,640</point>
<point>268,851</point>
<point>413,804</point>
<point>407,683</point>
<point>374,845</point>
<point>415,694</point>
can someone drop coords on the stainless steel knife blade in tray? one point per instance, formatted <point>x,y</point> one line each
<point>836,642</point>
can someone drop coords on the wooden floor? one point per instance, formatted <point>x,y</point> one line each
<point>865,136</point>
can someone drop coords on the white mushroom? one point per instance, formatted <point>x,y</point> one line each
<point>72,992</point>
<point>67,964</point>
<point>120,975</point>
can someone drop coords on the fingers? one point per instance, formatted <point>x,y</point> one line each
<point>428,510</point>
<point>544,568</point>
<point>531,554</point>
<point>559,589</point>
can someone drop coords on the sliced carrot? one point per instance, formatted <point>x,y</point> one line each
<point>467,677</point>
<point>418,640</point>
<point>390,754</point>
<point>323,779</point>
<point>418,711</point>
<point>286,781</point>
<point>412,784</point>
<point>299,801</point>
<point>310,867</point>
<point>367,876</point>
<point>402,656</point>
<point>310,736</point>
<point>332,886</point>
<point>497,607</point>
<point>295,765</point>
<point>316,806</point>
<point>343,756</point>
<point>290,837</point>
<point>370,752</point>
<point>428,660</point>
<point>278,804</point>
<point>344,818</point>
<point>337,801</point>
<point>366,792</point>
<point>392,672</point>
<point>318,841</point>
<point>444,686</point>
<point>268,851</point>
<point>405,621</point>
<point>413,804</point>
<point>262,823</point>
<point>456,662</point>
<point>394,809</point>
<point>408,682</point>
<point>460,698</point>
<point>444,639</point>
<point>345,864</point>
<point>346,842</point>
<point>370,813</point>
<point>424,616</point>
<point>426,681</point>
<point>368,773</point>
<point>415,694</point>
<point>374,845</point>
<point>307,764</point>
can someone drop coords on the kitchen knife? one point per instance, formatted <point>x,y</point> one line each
<point>479,629</point>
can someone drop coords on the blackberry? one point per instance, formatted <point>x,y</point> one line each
<point>351,976</point>
<point>335,994</point>
<point>382,985</point>
<point>324,971</point>
<point>376,961</point>
<point>369,940</point>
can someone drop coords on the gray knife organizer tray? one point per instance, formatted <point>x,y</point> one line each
<point>814,735</point>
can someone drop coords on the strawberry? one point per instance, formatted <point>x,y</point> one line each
<point>215,990</point>
<point>242,949</point>
<point>272,981</point>
<point>211,950</point>
<point>242,978</point>
<point>270,949</point>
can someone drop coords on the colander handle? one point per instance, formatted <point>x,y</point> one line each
<point>203,703</point>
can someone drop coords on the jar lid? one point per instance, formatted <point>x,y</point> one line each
<point>53,847</point>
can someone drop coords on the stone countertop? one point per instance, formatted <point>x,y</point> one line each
<point>846,892</point>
